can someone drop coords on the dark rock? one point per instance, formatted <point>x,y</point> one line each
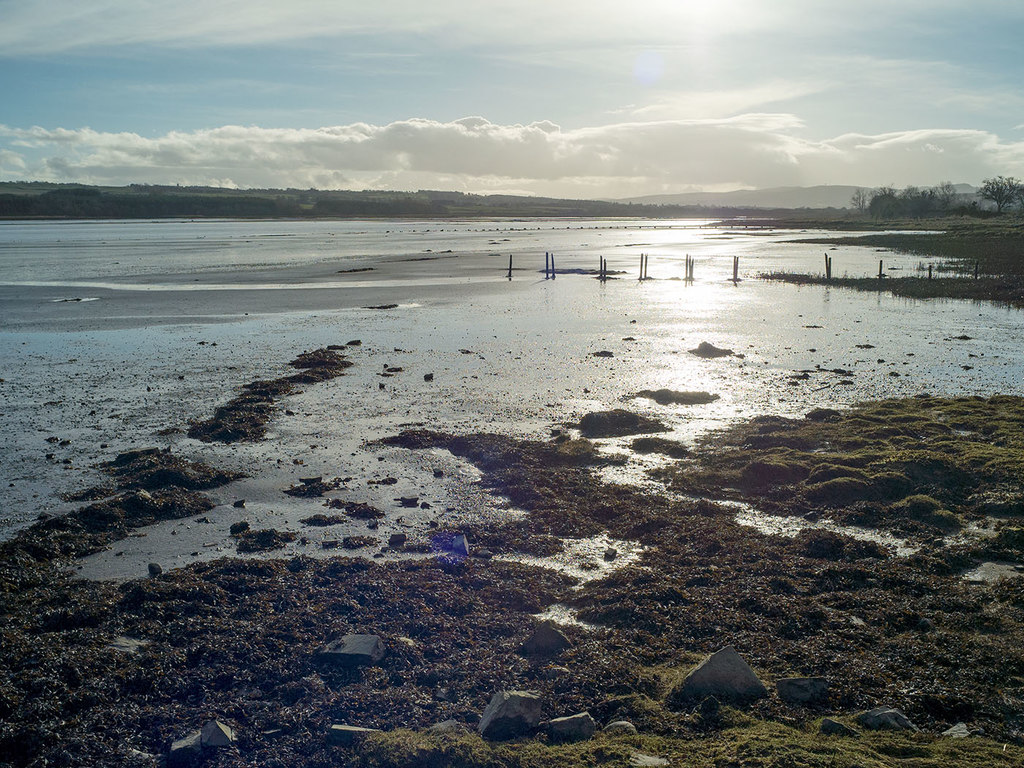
<point>885,718</point>
<point>546,640</point>
<point>155,569</point>
<point>617,423</point>
<point>823,414</point>
<point>510,714</point>
<point>353,650</point>
<point>673,397</point>
<point>240,527</point>
<point>706,350</point>
<point>397,540</point>
<point>216,734</point>
<point>347,735</point>
<point>604,353</point>
<point>725,675</point>
<point>577,727</point>
<point>802,690</point>
<point>240,504</point>
<point>409,501</point>
<point>428,377</point>
<point>186,751</point>
<point>831,727</point>
<point>610,554</point>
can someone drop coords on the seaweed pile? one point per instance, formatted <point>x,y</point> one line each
<point>151,485</point>
<point>244,418</point>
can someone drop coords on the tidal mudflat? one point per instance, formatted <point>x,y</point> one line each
<point>418,495</point>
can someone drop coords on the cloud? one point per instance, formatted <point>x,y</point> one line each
<point>474,154</point>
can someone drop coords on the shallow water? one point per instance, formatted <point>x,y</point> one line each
<point>237,300</point>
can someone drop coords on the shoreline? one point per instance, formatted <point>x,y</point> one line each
<point>237,639</point>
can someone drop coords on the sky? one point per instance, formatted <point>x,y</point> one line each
<point>566,98</point>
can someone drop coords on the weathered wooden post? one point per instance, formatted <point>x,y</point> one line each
<point>510,266</point>
<point>880,275</point>
<point>641,277</point>
<point>547,268</point>
<point>828,267</point>
<point>975,270</point>
<point>735,269</point>
<point>929,271</point>
<point>552,266</point>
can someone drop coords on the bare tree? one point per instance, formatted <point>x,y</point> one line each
<point>861,199</point>
<point>1001,190</point>
<point>945,195</point>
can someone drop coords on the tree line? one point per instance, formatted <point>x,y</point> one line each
<point>1003,192</point>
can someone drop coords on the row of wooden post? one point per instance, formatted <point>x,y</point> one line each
<point>602,274</point>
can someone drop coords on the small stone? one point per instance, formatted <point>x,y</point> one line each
<point>546,640</point>
<point>958,731</point>
<point>579,727</point>
<point>802,690</point>
<point>610,554</point>
<point>155,570</point>
<point>240,504</point>
<point>397,540</point>
<point>483,554</point>
<point>240,527</point>
<point>217,734</point>
<point>448,726</point>
<point>620,728</point>
<point>186,751</point>
<point>885,718</point>
<point>831,727</point>
<point>926,625</point>
<point>428,377</point>
<point>353,650</point>
<point>510,714</point>
<point>346,735</point>
<point>641,760</point>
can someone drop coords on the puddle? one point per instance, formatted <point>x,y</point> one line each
<point>776,525</point>
<point>584,559</point>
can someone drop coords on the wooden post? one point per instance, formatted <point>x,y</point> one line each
<point>552,266</point>
<point>828,267</point>
<point>929,271</point>
<point>880,275</point>
<point>641,267</point>
<point>975,270</point>
<point>735,269</point>
<point>510,266</point>
<point>547,269</point>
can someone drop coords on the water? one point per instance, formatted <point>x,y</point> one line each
<point>181,313</point>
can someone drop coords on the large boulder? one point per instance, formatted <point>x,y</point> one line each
<point>573,728</point>
<point>546,640</point>
<point>724,675</point>
<point>885,718</point>
<point>510,714</point>
<point>353,651</point>
<point>802,690</point>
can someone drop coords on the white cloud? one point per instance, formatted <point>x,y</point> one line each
<point>474,154</point>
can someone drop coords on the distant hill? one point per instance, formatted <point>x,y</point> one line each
<point>824,196</point>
